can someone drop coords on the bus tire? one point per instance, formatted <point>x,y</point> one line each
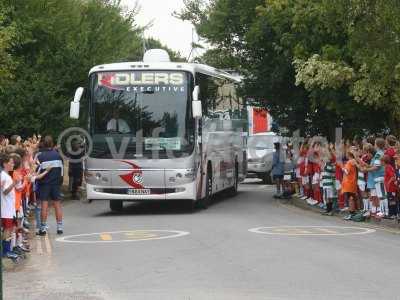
<point>190,205</point>
<point>116,205</point>
<point>266,178</point>
<point>232,191</point>
<point>205,202</point>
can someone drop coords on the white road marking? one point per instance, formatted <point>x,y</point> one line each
<point>39,248</point>
<point>326,230</point>
<point>175,234</point>
<point>47,244</point>
<point>309,230</point>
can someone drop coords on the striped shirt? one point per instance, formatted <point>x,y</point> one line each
<point>361,179</point>
<point>50,158</point>
<point>328,176</point>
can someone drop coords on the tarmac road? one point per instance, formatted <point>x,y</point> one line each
<point>166,252</point>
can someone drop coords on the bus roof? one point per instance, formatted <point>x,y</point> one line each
<point>189,67</point>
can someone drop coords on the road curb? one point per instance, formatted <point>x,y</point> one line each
<point>392,224</point>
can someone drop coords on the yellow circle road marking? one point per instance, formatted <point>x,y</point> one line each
<point>140,235</point>
<point>121,236</point>
<point>312,230</point>
<point>106,237</point>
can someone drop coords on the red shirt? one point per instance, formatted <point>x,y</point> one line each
<point>316,168</point>
<point>310,168</point>
<point>338,173</point>
<point>391,151</point>
<point>302,163</point>
<point>389,174</point>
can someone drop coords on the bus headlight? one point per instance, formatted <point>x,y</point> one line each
<point>190,174</point>
<point>181,176</point>
<point>88,175</point>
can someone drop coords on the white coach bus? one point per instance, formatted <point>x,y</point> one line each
<point>162,130</point>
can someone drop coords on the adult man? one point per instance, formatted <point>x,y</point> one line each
<point>278,169</point>
<point>117,124</point>
<point>75,169</point>
<point>49,186</point>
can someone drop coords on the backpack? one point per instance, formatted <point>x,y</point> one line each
<point>358,217</point>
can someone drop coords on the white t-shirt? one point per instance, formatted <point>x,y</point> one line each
<point>7,201</point>
<point>122,127</point>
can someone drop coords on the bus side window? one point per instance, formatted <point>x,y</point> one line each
<point>208,93</point>
<point>220,99</point>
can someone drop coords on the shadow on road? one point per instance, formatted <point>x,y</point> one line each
<point>170,207</point>
<point>250,181</point>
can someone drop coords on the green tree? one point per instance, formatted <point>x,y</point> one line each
<point>364,64</point>
<point>297,58</point>
<point>57,43</point>
<point>7,34</point>
<point>152,43</point>
<point>52,44</point>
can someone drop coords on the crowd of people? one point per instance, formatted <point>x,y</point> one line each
<point>361,177</point>
<point>31,176</point>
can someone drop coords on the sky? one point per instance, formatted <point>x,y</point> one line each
<point>171,31</point>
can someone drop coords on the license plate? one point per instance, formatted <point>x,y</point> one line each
<point>138,192</point>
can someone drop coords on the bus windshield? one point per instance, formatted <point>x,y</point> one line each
<point>148,109</point>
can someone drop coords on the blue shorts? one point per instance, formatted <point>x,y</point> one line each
<point>49,192</point>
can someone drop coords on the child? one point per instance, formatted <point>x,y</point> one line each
<point>26,170</point>
<point>328,181</point>
<point>377,171</point>
<point>17,175</point>
<point>397,170</point>
<point>389,205</point>
<point>7,189</point>
<point>338,186</point>
<point>316,179</point>
<point>362,162</point>
<point>309,171</point>
<point>300,191</point>
<point>349,184</point>
<point>304,180</point>
<point>390,150</point>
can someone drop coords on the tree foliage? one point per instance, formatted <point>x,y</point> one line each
<point>47,47</point>
<point>7,34</point>
<point>315,64</point>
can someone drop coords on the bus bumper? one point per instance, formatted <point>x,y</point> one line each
<point>181,192</point>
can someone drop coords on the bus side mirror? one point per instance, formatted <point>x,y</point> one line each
<point>196,103</point>
<point>74,108</point>
<point>197,109</point>
<point>196,92</point>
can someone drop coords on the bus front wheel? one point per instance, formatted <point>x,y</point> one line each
<point>232,191</point>
<point>205,202</point>
<point>116,205</point>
